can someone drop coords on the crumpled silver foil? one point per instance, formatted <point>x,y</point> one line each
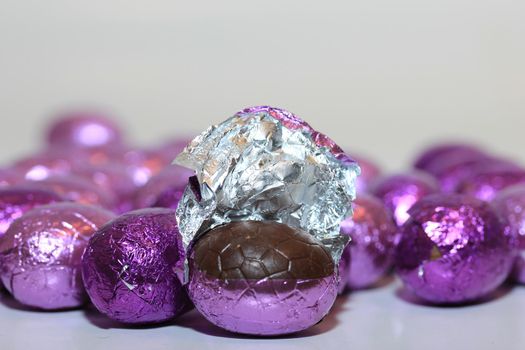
<point>265,163</point>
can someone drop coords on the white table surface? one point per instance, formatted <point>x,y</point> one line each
<point>381,318</point>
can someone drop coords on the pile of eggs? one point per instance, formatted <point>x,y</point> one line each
<point>91,219</point>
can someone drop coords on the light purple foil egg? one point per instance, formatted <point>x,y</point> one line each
<point>510,204</point>
<point>261,278</point>
<point>454,171</point>
<point>170,182</point>
<point>370,253</point>
<point>454,249</point>
<point>369,172</point>
<point>114,179</point>
<point>83,129</point>
<point>400,192</point>
<point>9,177</point>
<point>76,189</point>
<point>16,200</point>
<point>40,254</point>
<point>433,156</point>
<point>132,265</point>
<point>47,164</point>
<point>486,183</point>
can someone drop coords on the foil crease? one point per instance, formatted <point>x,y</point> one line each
<point>266,164</point>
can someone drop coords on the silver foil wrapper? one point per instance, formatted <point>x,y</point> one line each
<point>263,164</point>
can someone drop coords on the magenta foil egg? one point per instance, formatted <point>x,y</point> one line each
<point>510,204</point>
<point>40,254</point>
<point>83,129</point>
<point>485,184</point>
<point>76,189</point>
<point>16,200</point>
<point>47,164</point>
<point>373,240</point>
<point>454,249</point>
<point>166,187</point>
<point>132,267</point>
<point>452,172</point>
<point>433,156</point>
<point>113,179</point>
<point>400,192</point>
<point>261,278</point>
<point>9,177</point>
<point>369,172</point>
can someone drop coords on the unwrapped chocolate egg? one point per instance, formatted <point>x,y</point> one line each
<point>400,192</point>
<point>261,278</point>
<point>454,249</point>
<point>83,129</point>
<point>510,204</point>
<point>133,265</point>
<point>370,253</point>
<point>40,254</point>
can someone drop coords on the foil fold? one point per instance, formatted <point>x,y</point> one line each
<point>262,164</point>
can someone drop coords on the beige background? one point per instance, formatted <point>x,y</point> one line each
<point>381,77</point>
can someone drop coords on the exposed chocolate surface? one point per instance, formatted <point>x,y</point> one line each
<point>258,250</point>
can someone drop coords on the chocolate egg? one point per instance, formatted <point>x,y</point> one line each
<point>454,249</point>
<point>510,204</point>
<point>169,183</point>
<point>77,189</point>
<point>132,265</point>
<point>369,172</point>
<point>15,201</point>
<point>83,128</point>
<point>370,252</point>
<point>262,278</point>
<point>432,157</point>
<point>48,164</point>
<point>400,192</point>
<point>40,254</point>
<point>486,183</point>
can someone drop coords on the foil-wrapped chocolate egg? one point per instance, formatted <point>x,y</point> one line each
<point>132,267</point>
<point>113,179</point>
<point>510,204</point>
<point>77,189</point>
<point>16,200</point>
<point>432,157</point>
<point>40,254</point>
<point>169,184</point>
<point>83,129</point>
<point>369,172</point>
<point>9,177</point>
<point>261,278</point>
<point>454,171</point>
<point>370,253</point>
<point>56,162</point>
<point>454,249</point>
<point>400,192</point>
<point>486,183</point>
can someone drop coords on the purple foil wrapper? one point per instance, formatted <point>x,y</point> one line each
<point>9,177</point>
<point>454,249</point>
<point>369,173</point>
<point>40,254</point>
<point>431,158</point>
<point>510,204</point>
<point>54,162</point>
<point>83,129</point>
<point>400,192</point>
<point>485,184</point>
<point>170,181</point>
<point>76,189</point>
<point>130,267</point>
<point>370,253</point>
